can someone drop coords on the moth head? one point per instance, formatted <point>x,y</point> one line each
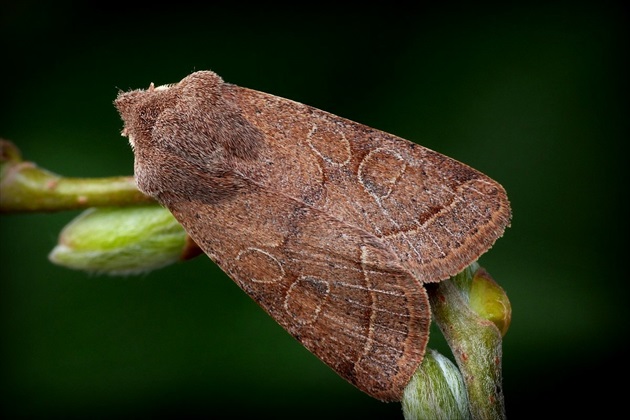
<point>141,108</point>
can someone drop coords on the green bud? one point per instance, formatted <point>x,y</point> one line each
<point>436,390</point>
<point>490,301</point>
<point>119,241</point>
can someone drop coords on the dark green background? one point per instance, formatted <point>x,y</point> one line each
<point>530,95</point>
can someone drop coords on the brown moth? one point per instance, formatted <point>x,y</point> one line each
<point>331,226</point>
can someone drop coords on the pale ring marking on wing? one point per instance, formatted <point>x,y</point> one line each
<point>329,156</point>
<point>269,269</point>
<point>380,188</point>
<point>309,290</point>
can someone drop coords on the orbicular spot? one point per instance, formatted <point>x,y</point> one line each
<point>380,170</point>
<point>259,266</point>
<point>330,144</point>
<point>305,299</point>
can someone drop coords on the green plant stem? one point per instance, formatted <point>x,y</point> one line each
<point>474,341</point>
<point>24,187</point>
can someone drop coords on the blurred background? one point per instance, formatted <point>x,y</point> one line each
<point>531,95</point>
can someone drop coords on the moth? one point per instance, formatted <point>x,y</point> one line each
<point>331,226</point>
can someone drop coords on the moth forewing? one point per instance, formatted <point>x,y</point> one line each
<point>331,226</point>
